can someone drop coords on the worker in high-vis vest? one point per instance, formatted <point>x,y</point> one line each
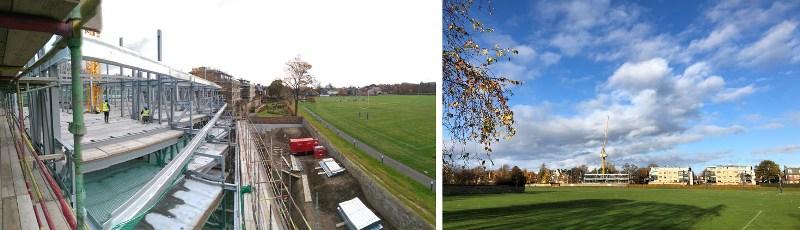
<point>145,114</point>
<point>105,108</point>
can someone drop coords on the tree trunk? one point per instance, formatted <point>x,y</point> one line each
<point>296,98</point>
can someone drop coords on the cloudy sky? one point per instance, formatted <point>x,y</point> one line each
<point>683,84</point>
<point>348,43</point>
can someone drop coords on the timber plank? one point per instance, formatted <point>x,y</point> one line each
<point>27,217</point>
<point>10,214</point>
<point>7,181</point>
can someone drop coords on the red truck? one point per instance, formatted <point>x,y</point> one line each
<point>302,145</point>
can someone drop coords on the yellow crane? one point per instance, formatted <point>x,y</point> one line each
<point>95,98</point>
<point>603,154</point>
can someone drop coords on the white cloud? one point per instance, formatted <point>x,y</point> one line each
<point>581,26</point>
<point>634,76</point>
<point>716,38</point>
<point>497,38</point>
<point>570,44</point>
<point>606,31</point>
<point>746,15</point>
<point>778,43</point>
<point>651,111</point>
<point>699,69</point>
<point>512,70</point>
<point>771,125</point>
<point>779,150</point>
<point>524,65</point>
<point>525,53</point>
<point>550,58</point>
<point>733,94</point>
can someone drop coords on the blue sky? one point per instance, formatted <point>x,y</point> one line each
<point>684,84</point>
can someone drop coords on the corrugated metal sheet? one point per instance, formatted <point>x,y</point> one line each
<point>330,166</point>
<point>358,216</point>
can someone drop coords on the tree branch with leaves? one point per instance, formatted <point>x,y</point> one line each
<point>297,78</point>
<point>475,100</point>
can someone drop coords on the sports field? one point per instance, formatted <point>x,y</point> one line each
<point>401,126</point>
<point>625,208</point>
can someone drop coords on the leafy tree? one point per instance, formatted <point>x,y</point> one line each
<point>275,88</point>
<point>530,177</point>
<point>641,175</point>
<point>503,175</point>
<point>576,173</point>
<point>474,101</point>
<point>448,175</point>
<point>544,174</point>
<point>768,171</point>
<point>517,177</point>
<point>629,168</point>
<point>297,78</point>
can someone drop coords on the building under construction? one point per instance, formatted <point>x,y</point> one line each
<point>230,87</point>
<point>97,136</point>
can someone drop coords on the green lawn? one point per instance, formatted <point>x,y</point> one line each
<point>416,196</point>
<point>273,109</point>
<point>402,127</point>
<point>625,208</point>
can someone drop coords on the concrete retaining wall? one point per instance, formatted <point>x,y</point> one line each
<point>276,120</point>
<point>390,208</point>
<point>480,189</point>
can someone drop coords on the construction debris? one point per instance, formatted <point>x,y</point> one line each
<point>357,216</point>
<point>330,167</point>
<point>296,165</point>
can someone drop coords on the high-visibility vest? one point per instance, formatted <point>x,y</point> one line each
<point>146,113</point>
<point>105,107</point>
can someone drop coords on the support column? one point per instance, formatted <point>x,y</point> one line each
<point>76,127</point>
<point>160,95</point>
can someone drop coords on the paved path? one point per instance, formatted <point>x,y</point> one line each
<point>402,168</point>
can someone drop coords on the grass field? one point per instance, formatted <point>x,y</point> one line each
<point>402,127</point>
<point>416,196</point>
<point>625,208</point>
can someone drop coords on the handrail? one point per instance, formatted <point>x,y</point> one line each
<point>66,210</point>
<point>150,193</point>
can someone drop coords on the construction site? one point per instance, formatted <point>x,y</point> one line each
<point>98,136</point>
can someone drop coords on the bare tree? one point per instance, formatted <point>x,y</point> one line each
<point>297,78</point>
<point>474,101</point>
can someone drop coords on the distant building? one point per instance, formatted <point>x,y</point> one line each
<point>730,175</point>
<point>230,86</point>
<point>608,178</point>
<point>559,176</point>
<point>671,175</point>
<point>792,175</point>
<point>244,89</point>
<point>374,91</point>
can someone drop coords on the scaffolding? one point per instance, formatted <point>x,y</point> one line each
<point>179,103</point>
<point>269,203</point>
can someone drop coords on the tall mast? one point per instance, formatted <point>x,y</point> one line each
<point>603,149</point>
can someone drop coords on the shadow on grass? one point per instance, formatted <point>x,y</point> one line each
<point>582,214</point>
<point>470,196</point>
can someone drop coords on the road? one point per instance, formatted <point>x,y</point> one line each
<point>400,167</point>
